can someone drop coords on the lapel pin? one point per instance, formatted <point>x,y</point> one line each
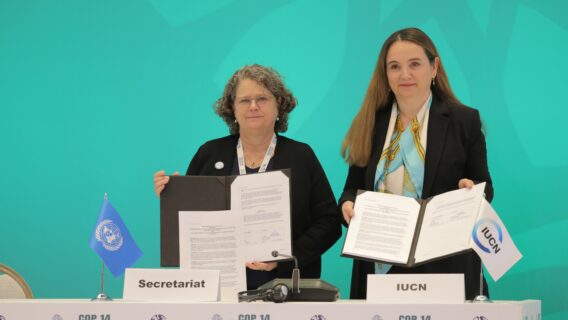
<point>219,165</point>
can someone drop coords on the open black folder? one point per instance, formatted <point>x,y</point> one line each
<point>406,232</point>
<point>190,193</point>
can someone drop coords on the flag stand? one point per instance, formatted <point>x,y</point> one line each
<point>113,243</point>
<point>102,296</point>
<point>481,298</point>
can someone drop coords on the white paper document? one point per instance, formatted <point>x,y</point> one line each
<point>263,201</point>
<point>257,224</point>
<point>212,240</point>
<point>382,226</point>
<point>399,230</point>
<point>448,221</point>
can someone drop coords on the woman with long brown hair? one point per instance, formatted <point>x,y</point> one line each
<point>413,137</point>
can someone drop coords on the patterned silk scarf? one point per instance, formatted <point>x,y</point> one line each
<point>401,166</point>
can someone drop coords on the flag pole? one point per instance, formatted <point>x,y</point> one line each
<point>102,296</point>
<point>481,298</point>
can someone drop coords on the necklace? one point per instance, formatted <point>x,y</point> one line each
<point>253,161</point>
<point>266,159</point>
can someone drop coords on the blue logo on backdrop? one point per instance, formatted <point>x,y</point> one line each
<point>158,317</point>
<point>484,233</point>
<point>109,235</point>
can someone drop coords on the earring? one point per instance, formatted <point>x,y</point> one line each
<point>235,120</point>
<point>433,81</point>
<point>277,119</point>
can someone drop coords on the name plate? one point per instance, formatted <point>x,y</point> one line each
<point>171,285</point>
<point>416,288</point>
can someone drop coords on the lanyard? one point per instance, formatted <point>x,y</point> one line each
<point>267,156</point>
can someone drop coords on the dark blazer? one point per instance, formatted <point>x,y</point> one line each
<point>315,224</point>
<point>455,149</point>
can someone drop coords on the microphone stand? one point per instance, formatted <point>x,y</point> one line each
<point>295,271</point>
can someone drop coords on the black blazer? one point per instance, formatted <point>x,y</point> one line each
<point>315,224</point>
<point>455,149</point>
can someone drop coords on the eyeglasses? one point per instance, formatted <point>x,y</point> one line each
<point>246,102</point>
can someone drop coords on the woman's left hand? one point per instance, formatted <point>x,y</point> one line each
<point>262,266</point>
<point>465,183</point>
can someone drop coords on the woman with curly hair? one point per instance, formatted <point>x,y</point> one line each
<point>255,105</point>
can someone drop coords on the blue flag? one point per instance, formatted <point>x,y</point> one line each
<point>112,241</point>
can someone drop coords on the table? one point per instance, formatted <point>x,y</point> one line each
<point>59,309</point>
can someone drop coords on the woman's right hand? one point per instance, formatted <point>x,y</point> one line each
<point>160,181</point>
<point>348,212</point>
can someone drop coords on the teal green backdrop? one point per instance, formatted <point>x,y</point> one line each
<point>95,96</point>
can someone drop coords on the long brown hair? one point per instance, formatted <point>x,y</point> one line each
<point>356,147</point>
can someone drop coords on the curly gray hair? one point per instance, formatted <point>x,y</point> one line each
<point>265,76</point>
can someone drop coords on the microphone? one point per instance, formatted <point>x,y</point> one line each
<point>311,289</point>
<point>295,271</point>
